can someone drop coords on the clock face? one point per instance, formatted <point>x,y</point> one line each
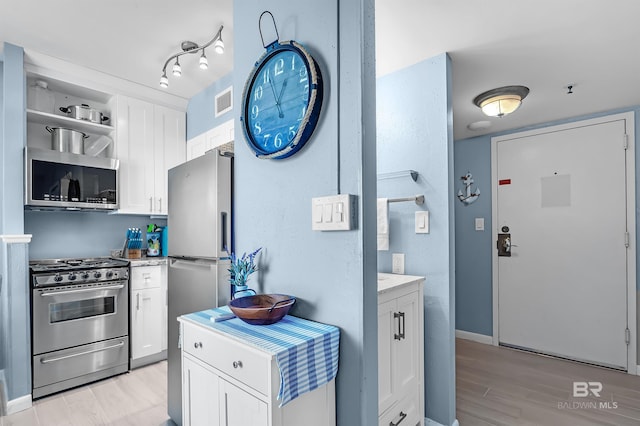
<point>281,103</point>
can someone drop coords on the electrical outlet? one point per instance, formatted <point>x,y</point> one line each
<point>397,263</point>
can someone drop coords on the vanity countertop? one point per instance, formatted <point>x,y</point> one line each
<point>389,281</point>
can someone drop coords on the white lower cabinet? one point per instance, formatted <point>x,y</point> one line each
<point>226,382</point>
<point>400,351</point>
<point>148,314</point>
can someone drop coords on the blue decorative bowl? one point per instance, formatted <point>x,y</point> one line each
<point>262,309</point>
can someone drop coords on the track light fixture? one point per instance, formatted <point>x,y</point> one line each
<point>191,47</point>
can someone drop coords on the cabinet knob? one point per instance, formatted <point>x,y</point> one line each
<point>237,364</point>
<point>197,345</point>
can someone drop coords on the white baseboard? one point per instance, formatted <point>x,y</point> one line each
<point>475,337</point>
<point>429,422</point>
<point>19,404</point>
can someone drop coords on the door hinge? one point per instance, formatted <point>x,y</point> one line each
<point>626,239</point>
<point>625,142</point>
<point>627,336</point>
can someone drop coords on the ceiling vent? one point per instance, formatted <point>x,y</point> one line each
<point>224,101</point>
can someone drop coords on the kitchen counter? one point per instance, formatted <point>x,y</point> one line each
<point>146,261</point>
<point>388,282</point>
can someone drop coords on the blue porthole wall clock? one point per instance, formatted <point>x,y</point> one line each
<point>282,99</point>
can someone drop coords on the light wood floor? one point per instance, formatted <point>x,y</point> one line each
<point>501,386</point>
<point>135,398</point>
<point>495,386</point>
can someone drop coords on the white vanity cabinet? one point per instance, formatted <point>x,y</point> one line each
<point>148,312</point>
<point>228,382</point>
<point>400,349</point>
<point>151,140</point>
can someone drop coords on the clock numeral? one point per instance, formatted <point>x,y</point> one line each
<point>302,112</point>
<point>293,63</point>
<point>255,111</point>
<point>257,94</point>
<point>257,127</point>
<point>292,132</point>
<point>278,67</point>
<point>265,139</point>
<point>277,142</point>
<point>303,74</point>
<point>266,77</point>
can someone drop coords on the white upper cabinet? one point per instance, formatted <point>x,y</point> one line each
<point>151,140</point>
<point>213,138</point>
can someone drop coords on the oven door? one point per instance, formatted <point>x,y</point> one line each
<point>74,315</point>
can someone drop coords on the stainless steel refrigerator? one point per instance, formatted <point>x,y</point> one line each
<point>199,224</point>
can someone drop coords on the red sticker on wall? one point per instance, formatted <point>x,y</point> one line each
<point>504,182</point>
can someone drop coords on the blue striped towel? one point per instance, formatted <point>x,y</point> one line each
<point>306,351</point>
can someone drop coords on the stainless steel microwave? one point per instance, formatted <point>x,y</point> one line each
<point>62,180</point>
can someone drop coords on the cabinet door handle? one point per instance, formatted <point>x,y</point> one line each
<point>150,204</point>
<point>402,417</point>
<point>237,364</point>
<point>197,345</point>
<point>159,204</point>
<point>402,328</point>
<point>396,316</point>
<point>137,301</point>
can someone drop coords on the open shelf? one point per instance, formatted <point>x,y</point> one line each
<point>54,120</point>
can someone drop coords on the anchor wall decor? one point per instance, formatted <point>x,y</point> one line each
<point>468,196</point>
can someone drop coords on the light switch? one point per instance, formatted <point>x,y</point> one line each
<point>479,223</point>
<point>422,222</point>
<point>317,213</point>
<point>327,213</point>
<point>334,213</point>
<point>338,217</point>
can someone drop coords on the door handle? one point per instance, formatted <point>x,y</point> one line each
<point>398,335</point>
<point>83,290</point>
<point>402,417</point>
<point>137,301</point>
<point>60,358</point>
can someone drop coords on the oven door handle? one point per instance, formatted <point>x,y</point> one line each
<point>60,358</point>
<point>83,290</point>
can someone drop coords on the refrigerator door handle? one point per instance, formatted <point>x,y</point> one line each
<point>223,224</point>
<point>190,264</point>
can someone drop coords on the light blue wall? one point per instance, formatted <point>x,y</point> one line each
<point>79,234</point>
<point>414,131</point>
<point>474,249</point>
<point>15,288</point>
<point>201,108</point>
<point>333,274</point>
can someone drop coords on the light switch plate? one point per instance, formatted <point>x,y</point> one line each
<point>422,222</point>
<point>334,213</point>
<point>479,223</point>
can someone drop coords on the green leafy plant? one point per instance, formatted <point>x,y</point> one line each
<point>242,267</point>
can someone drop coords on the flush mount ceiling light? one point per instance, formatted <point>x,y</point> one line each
<point>191,47</point>
<point>501,101</point>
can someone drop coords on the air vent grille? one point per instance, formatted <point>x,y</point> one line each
<point>224,101</point>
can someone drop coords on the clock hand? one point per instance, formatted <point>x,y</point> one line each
<point>284,84</point>
<point>273,89</point>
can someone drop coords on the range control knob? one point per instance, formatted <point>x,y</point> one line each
<point>97,274</point>
<point>72,277</point>
<point>57,278</point>
<point>85,275</point>
<point>109,274</point>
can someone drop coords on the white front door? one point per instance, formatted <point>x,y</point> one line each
<point>561,199</point>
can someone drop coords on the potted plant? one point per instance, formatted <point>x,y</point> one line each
<point>240,270</point>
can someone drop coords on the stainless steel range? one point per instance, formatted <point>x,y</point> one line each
<point>79,321</point>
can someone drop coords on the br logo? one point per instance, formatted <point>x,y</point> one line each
<point>583,389</point>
